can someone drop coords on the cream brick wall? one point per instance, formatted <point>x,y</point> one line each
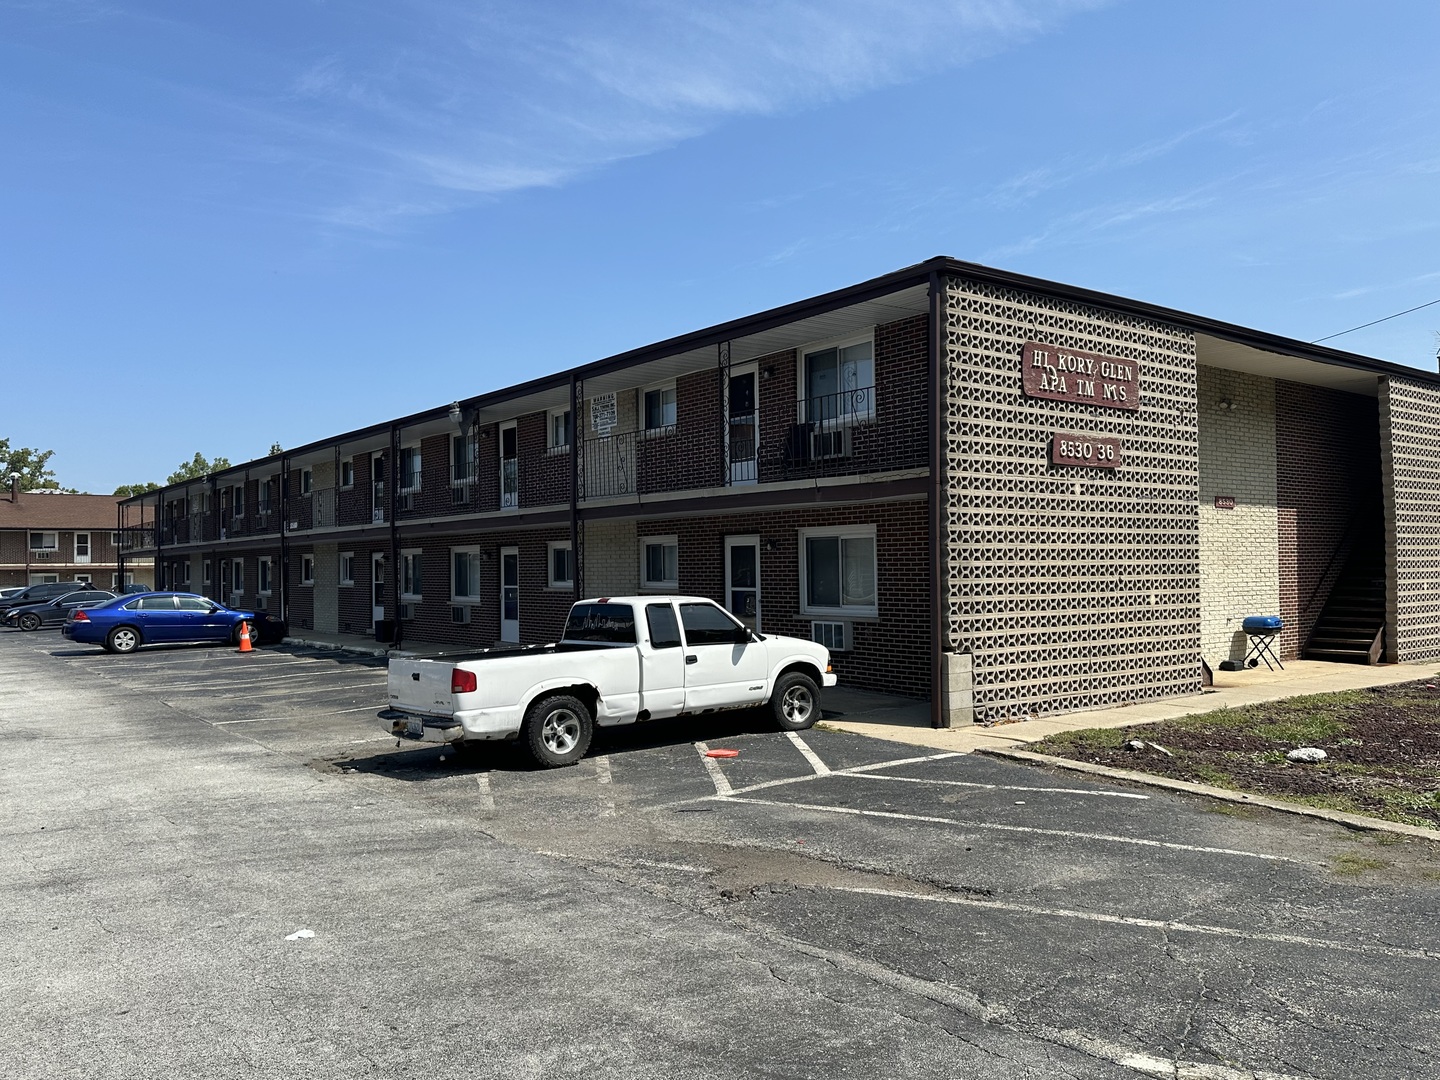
<point>1240,548</point>
<point>612,559</point>
<point>327,589</point>
<point>1410,470</point>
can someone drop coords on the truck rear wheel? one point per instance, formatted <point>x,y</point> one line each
<point>558,730</point>
<point>796,701</point>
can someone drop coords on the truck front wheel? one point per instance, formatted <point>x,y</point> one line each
<point>558,730</point>
<point>796,701</point>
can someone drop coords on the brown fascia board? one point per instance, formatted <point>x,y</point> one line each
<point>867,290</point>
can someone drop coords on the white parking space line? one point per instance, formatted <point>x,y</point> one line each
<point>1163,925</point>
<point>821,769</point>
<point>605,778</point>
<point>487,798</point>
<point>306,716</point>
<point>992,1012</point>
<point>992,787</point>
<point>996,827</point>
<point>902,761</point>
<point>717,777</point>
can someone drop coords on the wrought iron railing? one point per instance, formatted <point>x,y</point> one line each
<point>837,433</point>
<point>607,466</point>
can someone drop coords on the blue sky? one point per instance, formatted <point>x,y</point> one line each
<point>274,221</point>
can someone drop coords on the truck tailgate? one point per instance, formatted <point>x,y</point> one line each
<point>421,686</point>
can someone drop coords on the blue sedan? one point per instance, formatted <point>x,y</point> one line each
<point>127,622</point>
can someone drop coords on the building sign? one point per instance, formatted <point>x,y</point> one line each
<point>603,416</point>
<point>1084,378</point>
<point>1096,451</point>
<point>1224,502</point>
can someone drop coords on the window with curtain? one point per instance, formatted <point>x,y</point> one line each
<point>840,572</point>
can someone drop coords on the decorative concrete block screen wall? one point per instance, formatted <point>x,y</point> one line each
<point>1410,463</point>
<point>1073,587</point>
<point>1239,567</point>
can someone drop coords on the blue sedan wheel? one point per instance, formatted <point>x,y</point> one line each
<point>123,639</point>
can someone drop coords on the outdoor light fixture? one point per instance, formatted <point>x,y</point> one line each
<point>455,414</point>
<point>1227,404</point>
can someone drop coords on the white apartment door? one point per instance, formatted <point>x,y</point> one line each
<point>742,422</point>
<point>742,579</point>
<point>82,548</point>
<point>377,587</point>
<point>510,594</point>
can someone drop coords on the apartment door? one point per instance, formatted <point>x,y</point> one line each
<point>510,594</point>
<point>742,579</point>
<point>742,417</point>
<point>509,468</point>
<point>377,587</point>
<point>82,547</point>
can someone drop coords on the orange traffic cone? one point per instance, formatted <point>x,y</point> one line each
<point>245,637</point>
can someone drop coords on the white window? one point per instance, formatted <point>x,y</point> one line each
<point>205,573</point>
<point>237,499</point>
<point>82,547</point>
<point>347,473</point>
<point>409,469</point>
<point>264,500</point>
<point>660,562</point>
<point>307,481</point>
<point>185,573</point>
<point>84,577</point>
<point>559,429</point>
<point>44,579</point>
<point>561,562</point>
<point>347,568</point>
<point>239,577</point>
<point>410,580</point>
<point>464,574</point>
<point>44,541</point>
<point>659,405</point>
<point>115,539</point>
<point>263,589</point>
<point>837,381</point>
<point>307,569</point>
<point>837,571</point>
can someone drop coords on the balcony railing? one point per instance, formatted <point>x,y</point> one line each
<point>322,508</point>
<point>607,466</point>
<point>137,537</point>
<point>835,434</point>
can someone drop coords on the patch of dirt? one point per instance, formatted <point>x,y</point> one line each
<point>1382,747</point>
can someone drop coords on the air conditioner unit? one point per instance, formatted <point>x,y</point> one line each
<point>261,603</point>
<point>42,554</point>
<point>833,635</point>
<point>407,501</point>
<point>235,599</point>
<point>460,494</point>
<point>294,525</point>
<point>460,615</point>
<point>828,444</point>
<point>407,612</point>
<point>222,534</point>
<point>377,516</point>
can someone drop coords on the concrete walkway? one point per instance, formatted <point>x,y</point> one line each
<point>908,721</point>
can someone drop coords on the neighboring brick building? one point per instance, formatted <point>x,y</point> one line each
<point>50,536</point>
<point>1012,496</point>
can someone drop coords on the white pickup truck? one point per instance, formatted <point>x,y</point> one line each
<point>622,659</point>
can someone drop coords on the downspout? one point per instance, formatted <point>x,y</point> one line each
<point>938,501</point>
<point>392,470</point>
<point>574,491</point>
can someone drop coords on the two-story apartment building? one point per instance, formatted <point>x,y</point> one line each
<point>51,536</point>
<point>1006,494</point>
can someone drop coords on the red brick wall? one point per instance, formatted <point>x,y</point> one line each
<point>891,653</point>
<point>1327,474</point>
<point>542,609</point>
<point>691,455</point>
<point>544,477</point>
<point>300,599</point>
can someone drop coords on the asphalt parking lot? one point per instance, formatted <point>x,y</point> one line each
<point>820,905</point>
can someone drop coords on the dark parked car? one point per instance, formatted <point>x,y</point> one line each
<point>39,594</point>
<point>53,612</point>
<point>124,624</point>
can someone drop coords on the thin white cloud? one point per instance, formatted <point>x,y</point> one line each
<point>472,103</point>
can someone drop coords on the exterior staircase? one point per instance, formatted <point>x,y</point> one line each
<point>1351,628</point>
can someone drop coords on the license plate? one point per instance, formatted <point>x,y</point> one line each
<point>414,726</point>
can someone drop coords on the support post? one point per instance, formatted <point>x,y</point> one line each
<point>938,501</point>
<point>723,356</point>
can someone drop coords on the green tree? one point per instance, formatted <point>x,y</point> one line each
<point>31,464</point>
<point>276,448</point>
<point>131,490</point>
<point>196,468</point>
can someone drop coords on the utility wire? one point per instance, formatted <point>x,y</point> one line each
<point>1362,326</point>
